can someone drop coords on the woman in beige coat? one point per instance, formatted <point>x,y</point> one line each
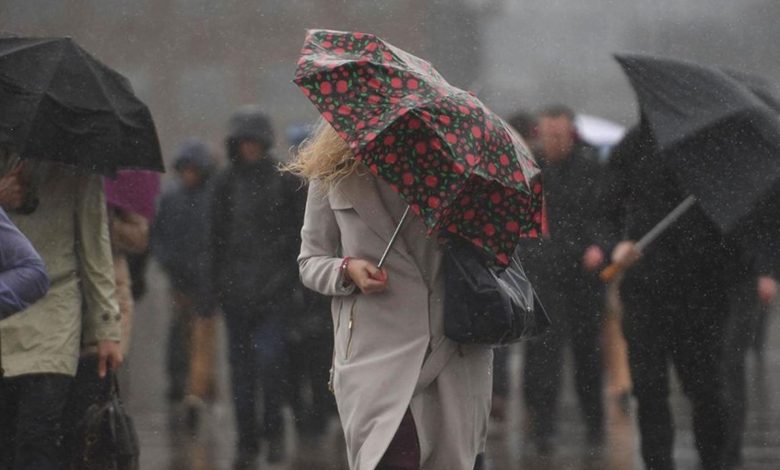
<point>391,359</point>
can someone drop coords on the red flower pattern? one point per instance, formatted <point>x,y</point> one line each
<point>458,165</point>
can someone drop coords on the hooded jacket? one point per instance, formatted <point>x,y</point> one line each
<point>180,233</point>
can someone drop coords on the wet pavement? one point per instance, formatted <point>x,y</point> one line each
<point>166,444</point>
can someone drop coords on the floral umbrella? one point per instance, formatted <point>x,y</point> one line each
<point>457,164</point>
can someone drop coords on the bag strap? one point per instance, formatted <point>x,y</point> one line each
<point>112,382</point>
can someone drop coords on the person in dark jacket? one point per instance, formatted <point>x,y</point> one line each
<point>753,289</point>
<point>180,243</point>
<point>23,278</point>
<point>525,125</point>
<point>675,300</point>
<point>563,270</point>
<point>254,275</point>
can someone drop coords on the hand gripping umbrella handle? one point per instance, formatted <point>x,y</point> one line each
<point>613,269</point>
<point>393,238</point>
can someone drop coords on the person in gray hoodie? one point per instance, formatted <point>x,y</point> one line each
<point>179,242</point>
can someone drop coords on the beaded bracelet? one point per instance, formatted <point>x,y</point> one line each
<point>346,282</point>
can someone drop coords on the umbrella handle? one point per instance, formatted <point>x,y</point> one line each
<point>610,272</point>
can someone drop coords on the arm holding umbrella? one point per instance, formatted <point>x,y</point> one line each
<point>627,253</point>
<point>320,267</point>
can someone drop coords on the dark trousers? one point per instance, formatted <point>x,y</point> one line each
<point>86,389</point>
<point>575,306</point>
<point>681,321</point>
<point>403,453</point>
<point>178,347</point>
<point>31,421</point>
<point>257,355</point>
<point>310,359</point>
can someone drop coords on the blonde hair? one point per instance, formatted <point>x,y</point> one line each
<point>324,157</point>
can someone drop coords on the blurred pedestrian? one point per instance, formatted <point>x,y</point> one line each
<point>130,196</point>
<point>563,271</point>
<point>180,243</point>
<point>40,347</point>
<point>675,301</point>
<point>253,248</point>
<point>752,291</point>
<point>23,278</point>
<point>408,397</point>
<point>525,125</point>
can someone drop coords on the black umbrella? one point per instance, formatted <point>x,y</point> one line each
<point>720,139</point>
<point>59,103</point>
<point>760,87</point>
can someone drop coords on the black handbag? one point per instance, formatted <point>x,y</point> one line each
<point>485,303</point>
<point>106,438</point>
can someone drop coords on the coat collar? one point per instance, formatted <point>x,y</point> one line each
<point>361,190</point>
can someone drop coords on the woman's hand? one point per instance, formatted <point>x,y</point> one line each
<point>366,276</point>
<point>11,189</point>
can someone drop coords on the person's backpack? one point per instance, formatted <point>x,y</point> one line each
<point>485,303</point>
<point>106,438</point>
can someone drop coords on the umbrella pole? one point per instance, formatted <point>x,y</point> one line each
<point>393,238</point>
<point>611,271</point>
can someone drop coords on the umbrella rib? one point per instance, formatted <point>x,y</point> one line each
<point>40,42</point>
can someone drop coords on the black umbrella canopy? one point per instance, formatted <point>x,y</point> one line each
<point>760,87</point>
<point>680,98</point>
<point>59,103</point>
<point>720,139</point>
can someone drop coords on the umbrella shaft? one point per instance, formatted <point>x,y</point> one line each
<point>394,238</point>
<point>665,223</point>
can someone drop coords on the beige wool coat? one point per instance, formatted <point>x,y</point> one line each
<point>390,353</point>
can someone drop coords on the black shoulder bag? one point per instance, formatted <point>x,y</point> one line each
<point>485,303</point>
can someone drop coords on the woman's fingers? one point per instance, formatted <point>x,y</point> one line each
<point>366,276</point>
<point>374,279</point>
<point>378,274</point>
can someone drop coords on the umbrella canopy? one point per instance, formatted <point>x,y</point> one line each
<point>719,138</point>
<point>133,191</point>
<point>59,103</point>
<point>457,164</point>
<point>760,87</point>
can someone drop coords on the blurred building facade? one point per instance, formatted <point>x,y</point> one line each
<point>194,61</point>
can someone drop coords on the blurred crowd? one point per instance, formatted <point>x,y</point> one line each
<point>212,225</point>
<point>227,239</point>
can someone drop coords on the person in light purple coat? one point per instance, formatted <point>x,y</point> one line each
<point>23,277</point>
